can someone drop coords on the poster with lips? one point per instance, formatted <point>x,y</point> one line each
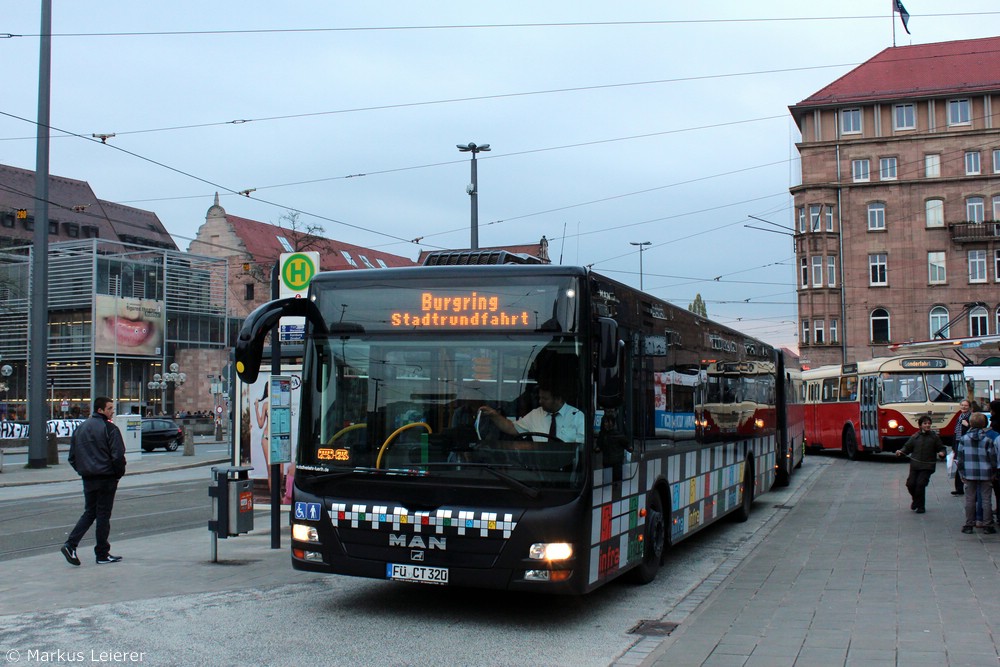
<point>128,326</point>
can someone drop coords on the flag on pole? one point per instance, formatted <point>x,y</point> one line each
<point>903,14</point>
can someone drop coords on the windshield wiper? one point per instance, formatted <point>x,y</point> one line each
<point>513,482</point>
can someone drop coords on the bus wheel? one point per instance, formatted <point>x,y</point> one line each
<point>783,471</point>
<point>743,513</point>
<point>850,444</point>
<point>654,540</point>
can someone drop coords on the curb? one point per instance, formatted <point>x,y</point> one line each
<point>179,466</point>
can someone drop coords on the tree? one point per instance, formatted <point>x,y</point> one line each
<point>304,236</point>
<point>698,306</point>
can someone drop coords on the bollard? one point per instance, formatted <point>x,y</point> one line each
<point>188,441</point>
<point>52,454</point>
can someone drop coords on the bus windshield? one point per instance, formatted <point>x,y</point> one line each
<point>410,405</point>
<point>921,387</point>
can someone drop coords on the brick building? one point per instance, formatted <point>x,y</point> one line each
<point>897,218</point>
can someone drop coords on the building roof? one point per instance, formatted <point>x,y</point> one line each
<point>538,251</point>
<point>262,242</point>
<point>925,70</point>
<point>75,212</point>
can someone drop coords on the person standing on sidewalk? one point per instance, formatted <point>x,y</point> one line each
<point>97,454</point>
<point>961,428</point>
<point>977,464</point>
<point>922,447</point>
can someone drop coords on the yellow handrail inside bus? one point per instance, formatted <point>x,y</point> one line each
<point>345,430</point>
<point>392,436</point>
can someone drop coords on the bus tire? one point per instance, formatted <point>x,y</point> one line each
<point>799,464</point>
<point>783,471</point>
<point>743,513</point>
<point>850,444</point>
<point>654,540</point>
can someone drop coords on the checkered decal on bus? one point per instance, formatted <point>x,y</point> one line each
<point>439,522</point>
<point>704,483</point>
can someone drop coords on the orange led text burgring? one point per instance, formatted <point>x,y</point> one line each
<point>469,311</point>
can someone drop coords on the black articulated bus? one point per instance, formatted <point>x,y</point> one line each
<point>670,424</point>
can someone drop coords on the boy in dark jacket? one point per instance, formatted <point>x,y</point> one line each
<point>97,454</point>
<point>922,447</point>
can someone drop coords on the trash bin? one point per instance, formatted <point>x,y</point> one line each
<point>52,450</point>
<point>232,496</point>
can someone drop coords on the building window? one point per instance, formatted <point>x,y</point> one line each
<point>996,160</point>
<point>959,112</point>
<point>248,292</point>
<point>887,169</point>
<point>932,166</point>
<point>880,325</point>
<point>850,121</point>
<point>814,216</point>
<point>861,170</point>
<point>833,331</point>
<point>805,332</point>
<point>977,266</point>
<point>972,166</point>
<point>936,269</point>
<point>805,271</point>
<point>285,244</point>
<point>350,260</point>
<point>802,219</point>
<point>996,208</point>
<point>831,271</point>
<point>876,216</point>
<point>997,319</point>
<point>905,117</point>
<point>877,269</point>
<point>381,263</point>
<point>996,266</point>
<point>934,212</point>
<point>829,217</point>
<point>975,209</point>
<point>939,322</point>
<point>817,270</point>
<point>979,322</point>
<point>819,327</point>
<point>366,262</point>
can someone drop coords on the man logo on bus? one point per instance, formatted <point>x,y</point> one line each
<point>417,542</point>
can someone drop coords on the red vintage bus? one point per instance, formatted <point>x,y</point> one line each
<point>873,406</point>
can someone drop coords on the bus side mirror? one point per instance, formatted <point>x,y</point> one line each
<point>609,384</point>
<point>249,347</point>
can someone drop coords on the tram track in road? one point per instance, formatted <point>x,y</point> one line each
<point>39,525</point>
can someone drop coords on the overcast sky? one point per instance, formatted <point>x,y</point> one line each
<point>609,123</point>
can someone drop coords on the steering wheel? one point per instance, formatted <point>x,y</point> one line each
<point>344,431</point>
<point>392,436</point>
<point>525,435</point>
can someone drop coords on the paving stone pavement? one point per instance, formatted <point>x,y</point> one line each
<point>851,576</point>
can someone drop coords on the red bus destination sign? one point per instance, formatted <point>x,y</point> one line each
<point>469,311</point>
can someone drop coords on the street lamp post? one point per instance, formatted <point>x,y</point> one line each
<point>642,246</point>
<point>161,382</point>
<point>473,188</point>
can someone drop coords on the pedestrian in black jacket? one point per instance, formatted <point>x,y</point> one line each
<point>924,448</point>
<point>97,454</point>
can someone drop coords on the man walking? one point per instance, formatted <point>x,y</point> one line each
<point>97,454</point>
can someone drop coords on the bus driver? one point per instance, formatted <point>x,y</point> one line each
<point>552,416</point>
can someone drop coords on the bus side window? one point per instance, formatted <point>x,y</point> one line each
<point>830,389</point>
<point>849,388</point>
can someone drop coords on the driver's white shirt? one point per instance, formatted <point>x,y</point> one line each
<point>569,424</point>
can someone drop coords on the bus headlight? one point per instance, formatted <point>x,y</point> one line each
<point>893,423</point>
<point>304,533</point>
<point>550,551</point>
